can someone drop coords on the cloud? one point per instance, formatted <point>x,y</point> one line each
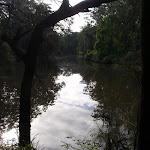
<point>58,120</point>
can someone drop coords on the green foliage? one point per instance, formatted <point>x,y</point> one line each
<point>25,14</point>
<point>16,26</point>
<point>68,44</point>
<point>6,55</point>
<point>19,22</point>
<point>32,146</point>
<point>85,144</point>
<point>17,147</point>
<point>48,48</point>
<point>92,55</point>
<point>109,39</point>
<point>86,40</point>
<point>117,35</point>
<point>102,140</point>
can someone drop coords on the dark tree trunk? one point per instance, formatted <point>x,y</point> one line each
<point>24,119</point>
<point>143,136</point>
<point>26,86</point>
<point>30,65</point>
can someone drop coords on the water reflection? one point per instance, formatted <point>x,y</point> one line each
<point>117,93</point>
<point>67,100</point>
<point>44,92</point>
<point>9,97</point>
<point>71,114</point>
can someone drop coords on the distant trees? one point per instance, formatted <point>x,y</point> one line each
<point>68,44</point>
<point>86,40</point>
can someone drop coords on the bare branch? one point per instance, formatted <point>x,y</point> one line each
<point>86,4</point>
<point>62,13</point>
<point>65,4</point>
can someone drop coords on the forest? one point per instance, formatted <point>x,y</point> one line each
<point>32,36</point>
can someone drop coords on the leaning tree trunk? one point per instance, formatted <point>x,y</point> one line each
<point>26,86</point>
<point>24,118</point>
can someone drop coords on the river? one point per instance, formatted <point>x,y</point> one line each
<point>77,101</point>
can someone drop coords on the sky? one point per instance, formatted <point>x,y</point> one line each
<point>79,19</point>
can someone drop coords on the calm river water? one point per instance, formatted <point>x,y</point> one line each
<point>78,100</point>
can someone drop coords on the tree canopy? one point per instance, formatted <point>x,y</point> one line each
<point>117,34</point>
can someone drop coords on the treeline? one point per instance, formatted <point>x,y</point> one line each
<point>115,37</point>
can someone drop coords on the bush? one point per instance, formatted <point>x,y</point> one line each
<point>92,56</point>
<point>133,58</point>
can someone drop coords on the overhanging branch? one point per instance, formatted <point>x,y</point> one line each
<point>65,4</point>
<point>86,4</point>
<point>65,11</point>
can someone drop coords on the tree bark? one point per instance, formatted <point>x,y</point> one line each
<point>26,86</point>
<point>24,118</point>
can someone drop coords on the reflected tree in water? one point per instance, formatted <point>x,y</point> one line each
<point>44,92</point>
<point>118,98</point>
<point>9,106</point>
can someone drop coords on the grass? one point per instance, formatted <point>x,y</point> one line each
<point>82,142</point>
<point>15,146</point>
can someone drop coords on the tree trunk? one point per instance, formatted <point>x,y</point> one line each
<point>24,119</point>
<point>26,86</point>
<point>141,134</point>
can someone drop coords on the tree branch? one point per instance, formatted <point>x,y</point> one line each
<point>65,11</point>
<point>65,4</point>
<point>86,4</point>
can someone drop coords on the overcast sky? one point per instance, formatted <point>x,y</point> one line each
<point>79,20</point>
